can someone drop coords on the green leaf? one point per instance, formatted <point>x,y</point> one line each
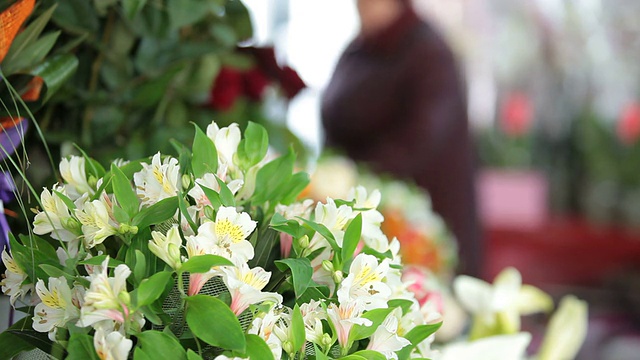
<point>264,244</point>
<point>186,12</point>
<point>149,94</point>
<point>55,71</point>
<point>224,332</point>
<point>151,289</point>
<point>120,215</point>
<point>184,212</point>
<point>204,263</point>
<point>132,7</point>
<point>213,196</point>
<point>77,16</point>
<point>254,146</point>
<point>301,272</point>
<point>370,355</point>
<point>353,357</point>
<point>54,271</point>
<point>257,348</point>
<point>25,38</point>
<point>123,190</point>
<point>22,337</point>
<point>298,182</point>
<point>160,345</point>
<point>416,336</point>
<point>139,266</point>
<point>298,330</point>
<point>401,303</point>
<point>272,177</point>
<point>226,196</point>
<point>192,355</point>
<point>99,259</point>
<point>376,316</point>
<point>65,199</point>
<point>205,156</point>
<point>317,293</point>
<point>29,258</point>
<point>351,239</point>
<point>81,347</point>
<point>326,233</point>
<point>157,213</point>
<point>32,54</point>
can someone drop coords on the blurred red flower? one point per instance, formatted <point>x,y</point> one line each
<point>516,114</point>
<point>226,89</point>
<point>254,81</point>
<point>628,128</point>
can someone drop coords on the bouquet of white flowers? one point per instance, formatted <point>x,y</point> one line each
<point>210,254</point>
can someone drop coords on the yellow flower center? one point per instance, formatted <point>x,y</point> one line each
<point>224,227</point>
<point>12,266</point>
<point>367,275</point>
<point>160,178</point>
<point>54,300</point>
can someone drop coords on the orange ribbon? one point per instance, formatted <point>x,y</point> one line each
<point>10,22</point>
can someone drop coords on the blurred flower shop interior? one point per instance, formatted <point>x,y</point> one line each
<point>552,90</point>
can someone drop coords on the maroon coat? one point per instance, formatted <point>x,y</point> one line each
<point>396,102</point>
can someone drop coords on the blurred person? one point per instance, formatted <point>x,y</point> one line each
<point>396,103</point>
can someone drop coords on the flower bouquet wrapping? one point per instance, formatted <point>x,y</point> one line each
<point>209,254</point>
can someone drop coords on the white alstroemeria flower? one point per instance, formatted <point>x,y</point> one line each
<point>227,235</point>
<point>296,210</point>
<point>56,308</point>
<point>385,339</point>
<point>284,332</point>
<point>567,330</point>
<point>263,326</point>
<point>245,286</point>
<point>210,181</point>
<point>226,140</point>
<point>13,282</point>
<point>107,297</point>
<point>55,218</point>
<point>157,181</point>
<point>500,347</point>
<point>97,221</point>
<point>167,247</point>
<point>312,315</point>
<point>73,172</point>
<point>497,308</point>
<point>111,345</point>
<point>365,283</point>
<point>372,235</point>
<point>343,317</point>
<point>334,218</point>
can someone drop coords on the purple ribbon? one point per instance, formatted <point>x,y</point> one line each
<point>11,137</point>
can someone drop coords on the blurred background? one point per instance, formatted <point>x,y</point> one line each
<point>552,89</point>
<point>553,101</point>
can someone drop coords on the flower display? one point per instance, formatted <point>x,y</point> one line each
<point>209,254</point>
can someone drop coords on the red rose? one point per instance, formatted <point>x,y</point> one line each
<point>226,89</point>
<point>516,114</point>
<point>254,82</point>
<point>628,128</point>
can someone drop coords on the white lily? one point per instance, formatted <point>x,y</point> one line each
<point>72,170</point>
<point>245,286</point>
<point>13,283</point>
<point>312,315</point>
<point>365,283</point>
<point>385,339</point>
<point>56,307</point>
<point>97,221</point>
<point>263,326</point>
<point>111,345</point>
<point>497,308</point>
<point>342,319</point>
<point>167,247</point>
<point>55,218</point>
<point>500,347</point>
<point>567,330</point>
<point>157,181</point>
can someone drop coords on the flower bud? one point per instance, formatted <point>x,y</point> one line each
<point>326,340</point>
<point>338,276</point>
<point>124,297</point>
<point>287,346</point>
<point>72,225</point>
<point>304,242</point>
<point>92,181</point>
<point>208,212</point>
<point>186,181</point>
<point>174,254</point>
<point>327,265</point>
